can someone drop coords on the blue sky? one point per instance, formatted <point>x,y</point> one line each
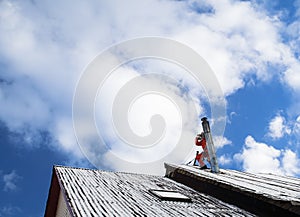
<point>252,47</point>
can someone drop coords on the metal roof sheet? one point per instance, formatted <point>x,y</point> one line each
<point>101,193</point>
<point>273,192</point>
<point>270,185</point>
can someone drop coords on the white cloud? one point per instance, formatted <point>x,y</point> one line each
<point>292,76</point>
<point>287,127</point>
<point>278,127</point>
<point>10,180</point>
<point>224,160</point>
<point>180,121</point>
<point>46,49</point>
<point>221,141</point>
<point>296,128</point>
<point>259,157</point>
<point>238,45</point>
<point>290,163</point>
<point>66,138</point>
<point>9,210</point>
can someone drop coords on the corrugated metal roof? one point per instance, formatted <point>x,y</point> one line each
<point>269,185</point>
<point>102,193</point>
<point>269,189</point>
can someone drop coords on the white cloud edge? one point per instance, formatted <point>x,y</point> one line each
<point>41,107</point>
<point>257,157</point>
<point>10,181</point>
<point>278,127</point>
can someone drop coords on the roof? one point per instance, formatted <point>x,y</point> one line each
<point>263,194</point>
<point>101,193</point>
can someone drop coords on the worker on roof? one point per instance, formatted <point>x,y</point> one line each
<point>200,141</point>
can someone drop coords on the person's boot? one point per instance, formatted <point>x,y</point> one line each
<point>204,167</point>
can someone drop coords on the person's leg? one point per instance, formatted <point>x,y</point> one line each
<point>200,158</point>
<point>197,153</point>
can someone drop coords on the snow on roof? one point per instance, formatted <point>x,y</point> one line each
<point>101,193</point>
<point>281,191</point>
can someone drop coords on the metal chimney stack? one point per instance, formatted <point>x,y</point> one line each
<point>210,146</point>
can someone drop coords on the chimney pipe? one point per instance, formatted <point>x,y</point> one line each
<point>210,146</point>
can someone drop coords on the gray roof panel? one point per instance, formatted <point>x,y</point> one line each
<point>101,193</point>
<point>263,194</point>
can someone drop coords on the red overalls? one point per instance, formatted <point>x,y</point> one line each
<point>200,141</point>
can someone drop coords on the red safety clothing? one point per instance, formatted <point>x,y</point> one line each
<point>200,141</point>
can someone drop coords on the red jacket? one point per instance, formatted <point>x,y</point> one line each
<point>200,142</point>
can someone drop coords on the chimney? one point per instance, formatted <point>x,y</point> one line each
<point>210,146</point>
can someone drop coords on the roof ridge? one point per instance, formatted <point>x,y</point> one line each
<point>106,171</point>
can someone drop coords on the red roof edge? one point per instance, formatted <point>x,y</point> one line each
<point>53,195</point>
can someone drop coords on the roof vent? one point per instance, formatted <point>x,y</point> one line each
<point>170,195</point>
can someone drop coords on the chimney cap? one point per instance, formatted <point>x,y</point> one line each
<point>204,119</point>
